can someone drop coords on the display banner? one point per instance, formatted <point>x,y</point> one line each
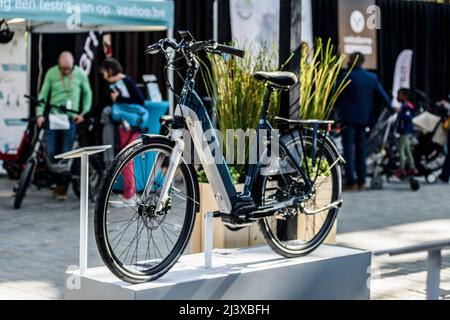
<point>254,22</point>
<point>13,87</point>
<point>402,74</point>
<point>87,45</point>
<point>357,24</point>
<point>96,12</point>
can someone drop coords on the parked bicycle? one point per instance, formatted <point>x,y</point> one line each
<point>40,171</point>
<point>294,196</point>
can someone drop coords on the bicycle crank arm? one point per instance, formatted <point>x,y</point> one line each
<point>265,211</point>
<point>336,204</point>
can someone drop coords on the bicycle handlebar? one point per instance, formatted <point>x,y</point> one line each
<point>230,50</point>
<point>193,47</point>
<point>52,106</point>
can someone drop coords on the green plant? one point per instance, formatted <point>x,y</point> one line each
<point>236,96</point>
<point>321,168</point>
<point>235,175</point>
<point>319,85</point>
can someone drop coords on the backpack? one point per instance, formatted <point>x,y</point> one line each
<point>135,115</point>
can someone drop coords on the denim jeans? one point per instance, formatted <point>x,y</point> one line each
<point>354,143</point>
<point>57,142</point>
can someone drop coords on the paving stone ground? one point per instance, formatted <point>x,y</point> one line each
<point>40,241</point>
<point>392,218</point>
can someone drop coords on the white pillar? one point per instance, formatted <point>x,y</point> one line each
<point>84,207</point>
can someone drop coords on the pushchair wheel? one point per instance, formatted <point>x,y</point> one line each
<point>376,183</point>
<point>431,178</point>
<point>414,184</point>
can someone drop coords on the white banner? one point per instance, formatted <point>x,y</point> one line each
<point>255,22</point>
<point>402,74</point>
<point>13,87</point>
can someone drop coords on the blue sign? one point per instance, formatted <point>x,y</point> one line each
<point>92,12</point>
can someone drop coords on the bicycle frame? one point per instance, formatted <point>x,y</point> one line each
<point>198,123</point>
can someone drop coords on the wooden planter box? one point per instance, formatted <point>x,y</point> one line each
<point>222,236</point>
<point>249,236</point>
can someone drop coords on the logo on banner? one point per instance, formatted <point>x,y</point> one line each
<point>244,9</point>
<point>88,55</point>
<point>357,21</point>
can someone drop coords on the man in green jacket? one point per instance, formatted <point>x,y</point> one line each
<point>63,86</point>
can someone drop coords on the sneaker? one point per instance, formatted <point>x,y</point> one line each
<point>400,174</point>
<point>60,193</point>
<point>122,202</point>
<point>362,187</point>
<point>351,187</point>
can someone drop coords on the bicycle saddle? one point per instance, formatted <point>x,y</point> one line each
<point>279,79</point>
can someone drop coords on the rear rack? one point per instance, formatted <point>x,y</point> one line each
<point>310,122</point>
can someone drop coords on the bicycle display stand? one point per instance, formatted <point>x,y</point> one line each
<point>208,244</point>
<point>257,273</point>
<point>84,154</point>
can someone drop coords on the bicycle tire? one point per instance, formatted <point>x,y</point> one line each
<point>106,250</point>
<point>24,182</point>
<point>330,154</point>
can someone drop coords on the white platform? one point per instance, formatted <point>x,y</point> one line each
<point>330,272</point>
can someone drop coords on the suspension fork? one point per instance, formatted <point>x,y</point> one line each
<point>153,174</point>
<point>175,158</point>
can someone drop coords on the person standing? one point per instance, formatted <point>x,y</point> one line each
<point>123,90</point>
<point>405,130</point>
<point>355,109</point>
<point>63,86</point>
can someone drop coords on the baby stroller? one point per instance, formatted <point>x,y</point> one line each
<point>384,159</point>
<point>429,155</point>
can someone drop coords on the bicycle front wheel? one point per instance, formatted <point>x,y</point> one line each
<point>24,182</point>
<point>295,231</point>
<point>137,242</point>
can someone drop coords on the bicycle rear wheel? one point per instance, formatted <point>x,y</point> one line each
<point>24,182</point>
<point>291,232</point>
<point>137,242</point>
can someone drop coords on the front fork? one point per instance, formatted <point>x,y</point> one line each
<point>175,158</point>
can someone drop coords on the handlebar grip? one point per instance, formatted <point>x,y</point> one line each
<point>230,50</point>
<point>200,45</point>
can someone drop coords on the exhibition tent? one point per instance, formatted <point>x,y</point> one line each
<point>67,16</point>
<point>92,14</point>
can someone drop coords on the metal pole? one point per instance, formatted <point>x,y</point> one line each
<point>433,274</point>
<point>208,238</point>
<point>84,198</point>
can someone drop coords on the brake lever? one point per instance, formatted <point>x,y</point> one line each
<point>213,51</point>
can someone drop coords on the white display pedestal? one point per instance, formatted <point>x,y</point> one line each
<point>84,154</point>
<point>330,272</point>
